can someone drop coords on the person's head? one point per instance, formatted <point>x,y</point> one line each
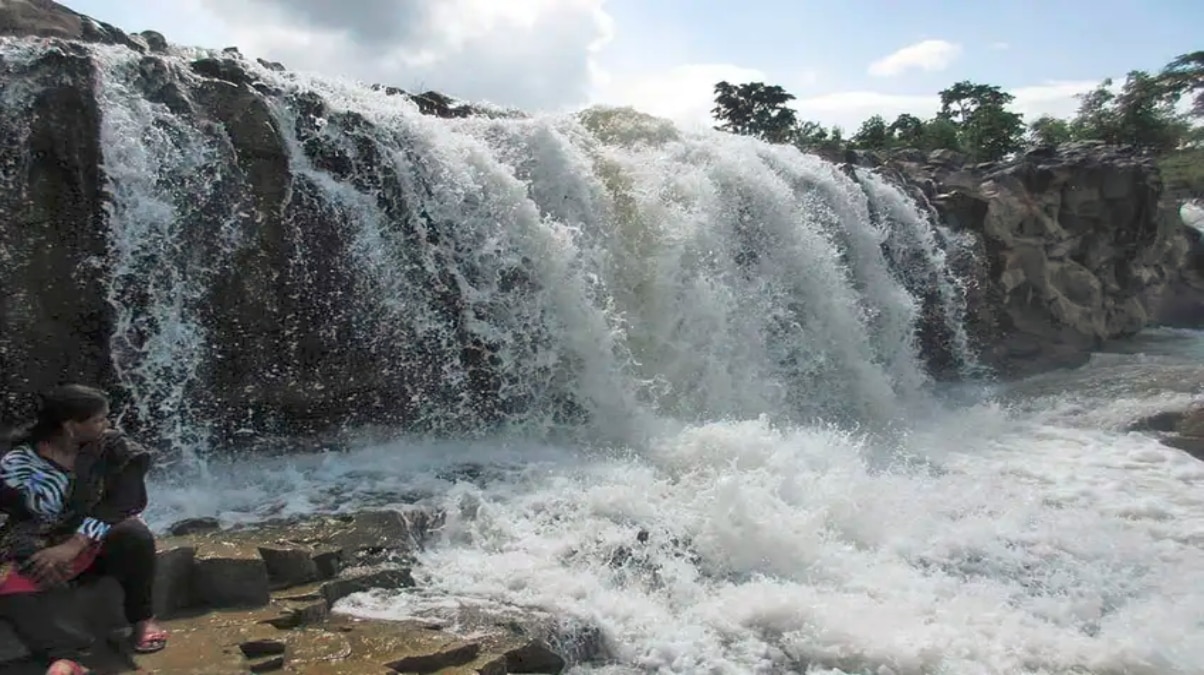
<point>71,412</point>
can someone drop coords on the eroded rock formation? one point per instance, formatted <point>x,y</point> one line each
<point>1075,247</point>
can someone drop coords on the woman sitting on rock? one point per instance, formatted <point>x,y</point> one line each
<point>73,490</point>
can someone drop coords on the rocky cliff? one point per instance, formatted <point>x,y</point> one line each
<point>1075,246</point>
<point>235,246</point>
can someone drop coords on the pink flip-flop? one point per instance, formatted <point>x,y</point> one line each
<point>150,641</point>
<point>66,667</point>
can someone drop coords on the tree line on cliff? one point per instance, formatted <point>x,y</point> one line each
<point>974,119</point>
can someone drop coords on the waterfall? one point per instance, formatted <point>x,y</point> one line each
<point>290,252</point>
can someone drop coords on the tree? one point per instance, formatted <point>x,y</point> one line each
<point>907,131</point>
<point>755,109</point>
<point>960,101</point>
<point>941,134</point>
<point>1050,130</point>
<point>1141,114</point>
<point>1183,76</point>
<point>810,135</point>
<point>987,129</point>
<point>873,134</point>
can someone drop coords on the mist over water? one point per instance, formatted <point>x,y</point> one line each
<point>754,474</point>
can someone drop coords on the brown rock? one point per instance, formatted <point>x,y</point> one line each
<point>267,665</point>
<point>452,654</point>
<point>1075,247</point>
<point>228,574</point>
<point>174,573</point>
<point>288,567</point>
<point>333,591</point>
<point>1192,423</point>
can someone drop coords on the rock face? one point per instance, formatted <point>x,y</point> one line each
<point>214,278</point>
<point>1179,429</point>
<point>1075,247</point>
<point>1181,305</point>
<point>262,599</point>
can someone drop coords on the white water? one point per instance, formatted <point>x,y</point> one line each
<point>707,299</point>
<point>1040,537</point>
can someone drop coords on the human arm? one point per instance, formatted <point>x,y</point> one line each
<point>119,468</point>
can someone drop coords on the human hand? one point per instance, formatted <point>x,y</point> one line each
<point>51,565</point>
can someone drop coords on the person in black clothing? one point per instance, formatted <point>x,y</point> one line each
<point>73,490</point>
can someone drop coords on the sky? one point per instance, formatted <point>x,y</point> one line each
<point>844,60</point>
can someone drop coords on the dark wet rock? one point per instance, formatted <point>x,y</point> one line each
<point>226,70</point>
<point>46,19</point>
<point>1179,429</point>
<point>154,41</point>
<point>253,649</point>
<point>193,526</point>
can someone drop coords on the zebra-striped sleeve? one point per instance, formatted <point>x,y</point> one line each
<point>43,488</point>
<point>93,529</point>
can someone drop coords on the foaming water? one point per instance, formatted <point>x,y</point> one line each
<point>1030,540</point>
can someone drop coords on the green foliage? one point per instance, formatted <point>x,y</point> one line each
<point>873,135</point>
<point>907,131</point>
<point>987,130</point>
<point>1142,114</point>
<point>1183,173</point>
<point>755,109</point>
<point>1050,130</point>
<point>942,134</point>
<point>974,119</point>
<point>1185,75</point>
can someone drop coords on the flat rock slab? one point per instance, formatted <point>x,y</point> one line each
<point>217,644</point>
<point>210,568</point>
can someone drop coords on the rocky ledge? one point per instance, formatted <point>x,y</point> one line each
<point>1072,246</point>
<point>1179,429</point>
<point>262,599</point>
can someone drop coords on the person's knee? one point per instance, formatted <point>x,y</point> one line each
<point>131,534</point>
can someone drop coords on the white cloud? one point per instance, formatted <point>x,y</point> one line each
<point>1056,98</point>
<point>533,54</point>
<point>929,55</point>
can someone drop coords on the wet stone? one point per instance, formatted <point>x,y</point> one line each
<point>189,526</point>
<point>253,649</point>
<point>333,591</point>
<point>289,567</point>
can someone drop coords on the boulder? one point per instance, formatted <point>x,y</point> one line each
<point>47,19</point>
<point>1179,429</point>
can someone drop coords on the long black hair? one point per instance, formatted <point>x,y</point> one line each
<point>62,404</point>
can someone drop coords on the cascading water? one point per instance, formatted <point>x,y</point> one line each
<point>695,349</point>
